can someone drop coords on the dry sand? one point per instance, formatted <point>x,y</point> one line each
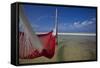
<point>70,48</point>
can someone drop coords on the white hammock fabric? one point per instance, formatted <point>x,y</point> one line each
<point>29,36</point>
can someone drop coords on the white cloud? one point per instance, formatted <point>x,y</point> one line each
<point>34,26</point>
<point>43,17</point>
<point>84,23</point>
<point>79,24</point>
<point>93,19</point>
<point>65,24</point>
<point>90,22</point>
<point>76,23</point>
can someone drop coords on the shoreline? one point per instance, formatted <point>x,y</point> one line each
<point>80,34</point>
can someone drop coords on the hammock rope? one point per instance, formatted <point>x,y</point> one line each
<point>32,45</point>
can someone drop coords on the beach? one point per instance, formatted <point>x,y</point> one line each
<point>70,48</point>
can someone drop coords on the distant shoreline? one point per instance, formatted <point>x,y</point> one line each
<point>81,34</point>
<point>78,34</point>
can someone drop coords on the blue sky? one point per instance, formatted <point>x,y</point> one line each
<point>70,19</point>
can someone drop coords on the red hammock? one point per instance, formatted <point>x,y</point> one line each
<point>48,40</point>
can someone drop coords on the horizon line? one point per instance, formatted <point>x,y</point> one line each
<point>81,34</point>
